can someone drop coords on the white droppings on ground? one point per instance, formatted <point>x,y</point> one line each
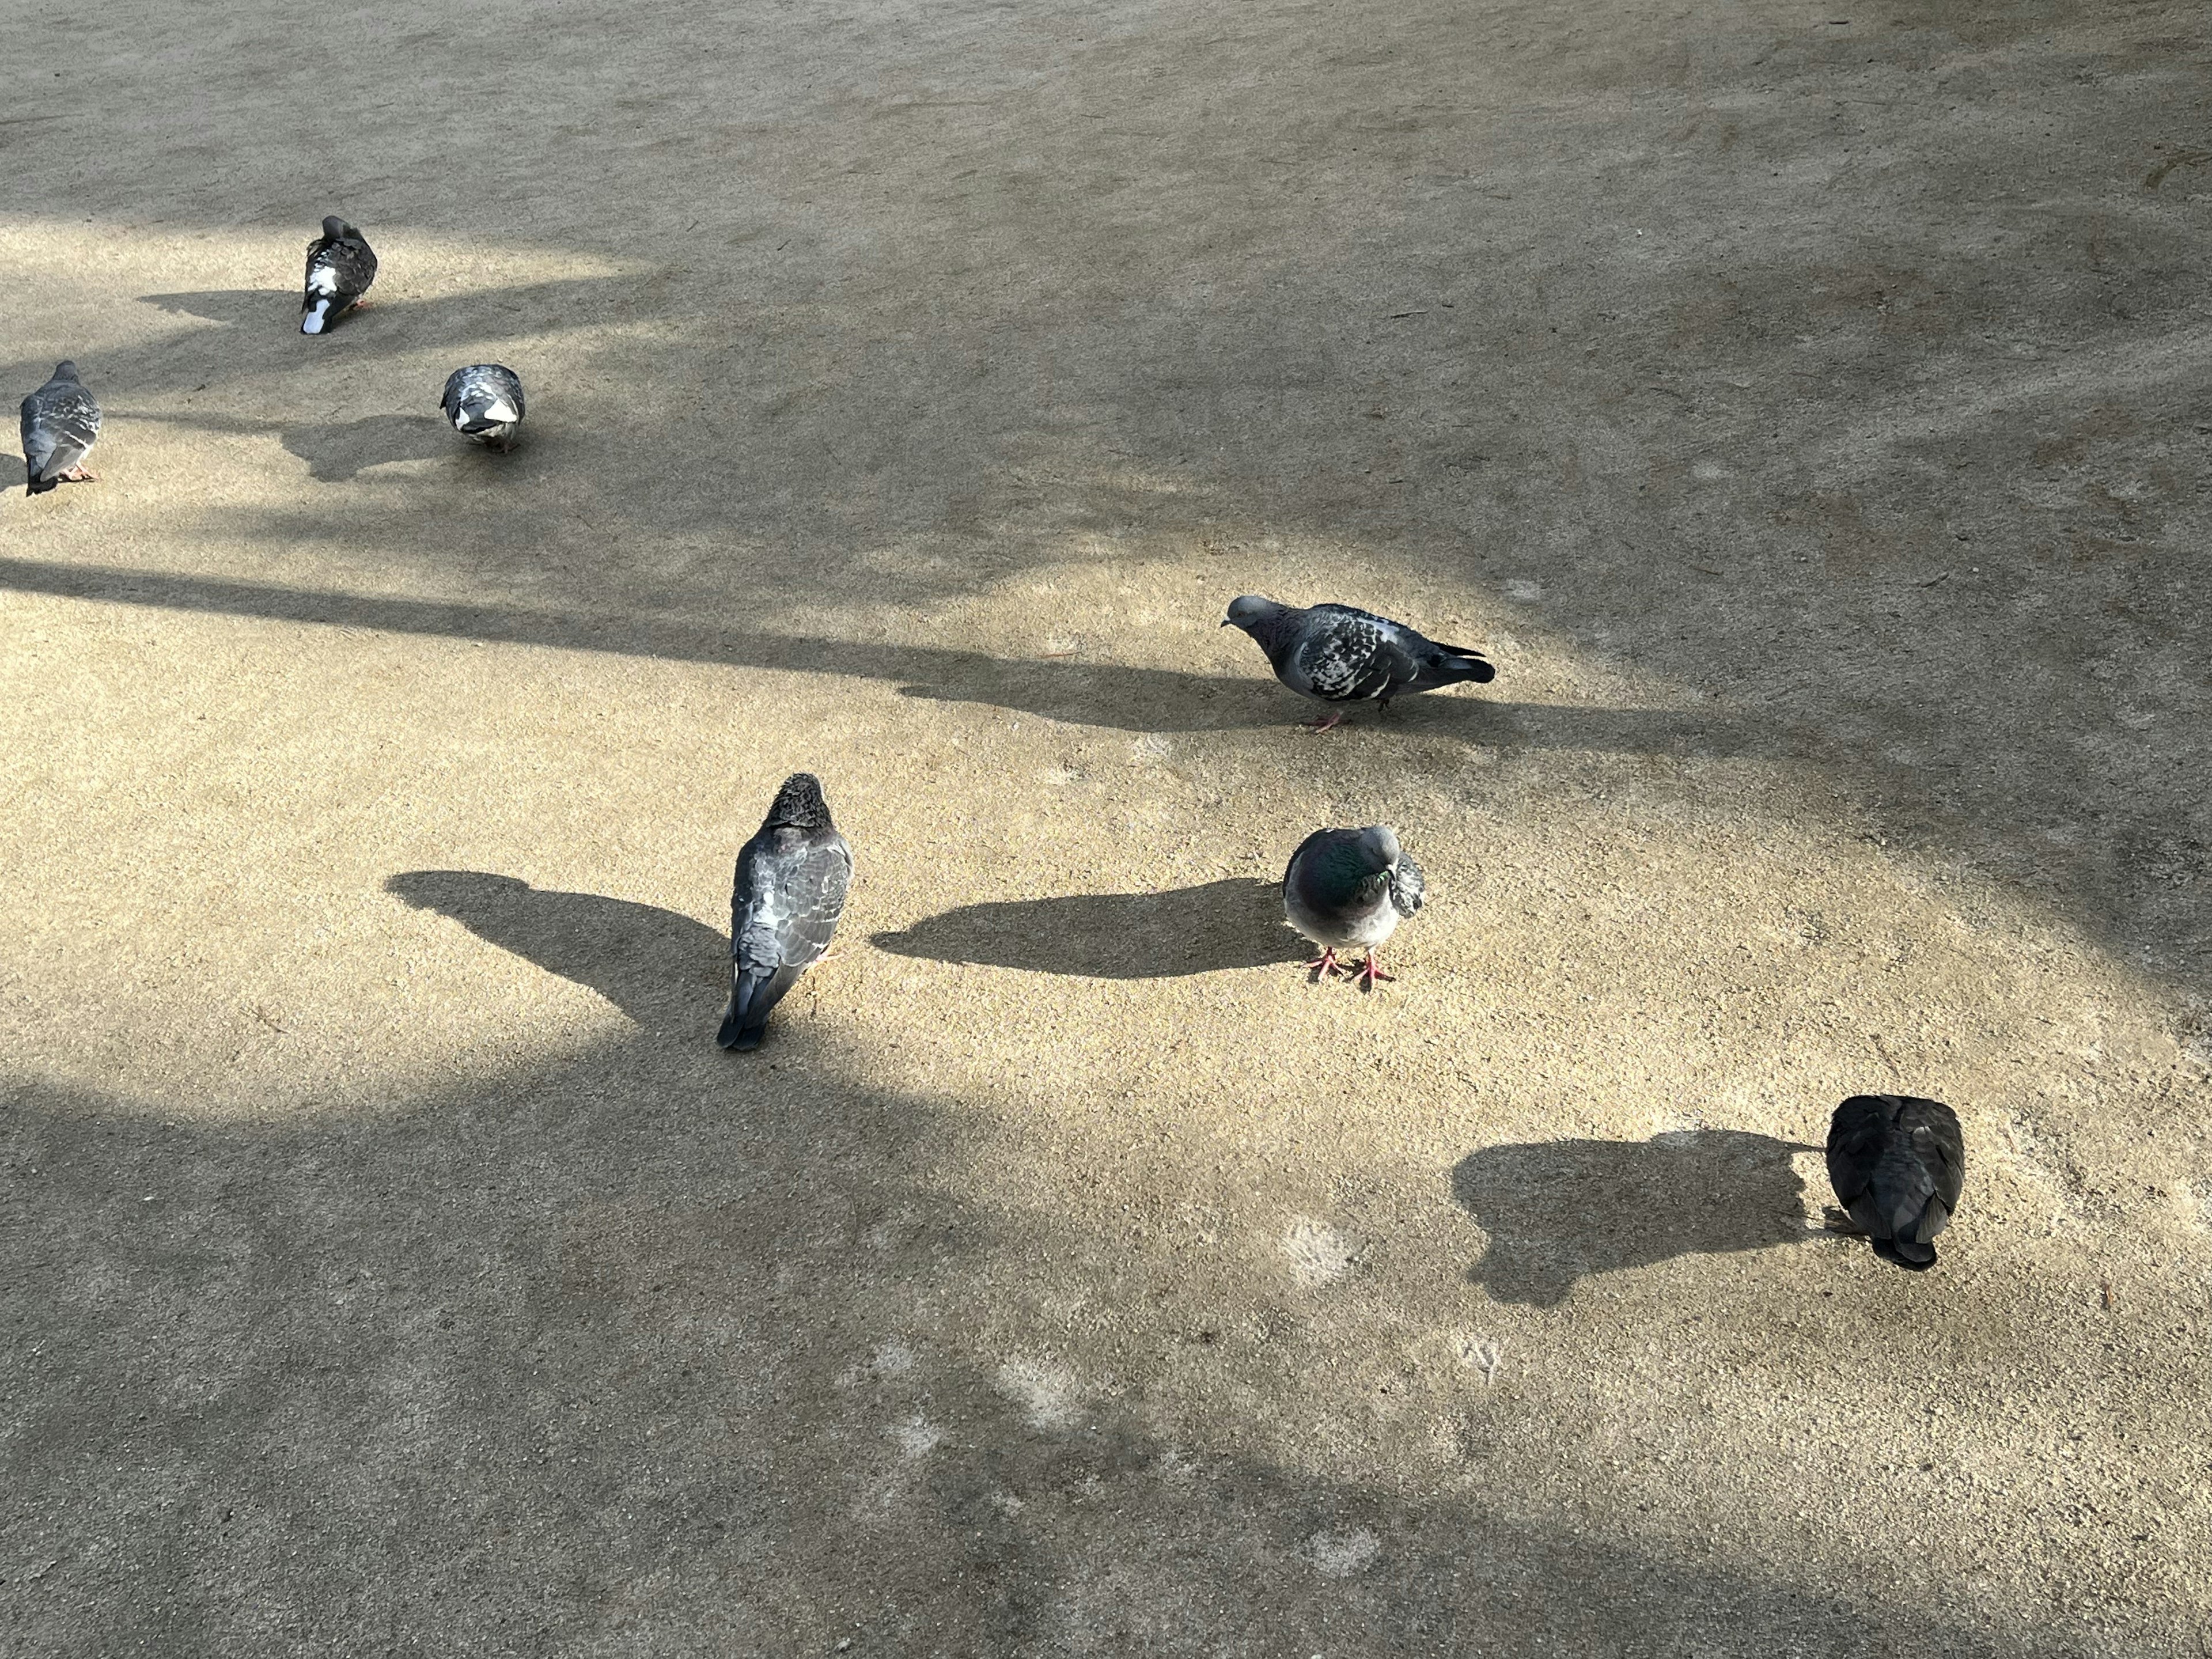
<point>1048,1393</point>
<point>1521,591</point>
<point>1340,1554</point>
<point>917,1437</point>
<point>1318,1254</point>
<point>893,1359</point>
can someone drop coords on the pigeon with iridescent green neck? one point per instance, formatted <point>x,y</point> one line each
<point>1349,888</point>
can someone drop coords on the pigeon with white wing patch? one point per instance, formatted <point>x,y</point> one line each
<point>484,403</point>
<point>790,890</point>
<point>341,265</point>
<point>1348,889</point>
<point>61,421</point>
<point>1336,654</point>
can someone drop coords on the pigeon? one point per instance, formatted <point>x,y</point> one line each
<point>340,268</point>
<point>790,889</point>
<point>484,403</point>
<point>1336,654</point>
<point>60,423</point>
<point>1347,887</point>
<point>1897,1163</point>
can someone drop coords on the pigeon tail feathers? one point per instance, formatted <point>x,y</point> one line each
<point>313,321</point>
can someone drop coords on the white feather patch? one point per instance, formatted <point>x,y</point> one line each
<point>312,322</point>
<point>502,411</point>
<point>322,280</point>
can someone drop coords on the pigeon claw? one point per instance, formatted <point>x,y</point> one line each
<point>1372,971</point>
<point>1321,723</point>
<point>1326,965</point>
<point>78,475</point>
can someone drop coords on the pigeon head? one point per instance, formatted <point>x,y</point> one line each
<point>66,369</point>
<point>1247,610</point>
<point>1378,842</point>
<point>334,228</point>
<point>799,805</point>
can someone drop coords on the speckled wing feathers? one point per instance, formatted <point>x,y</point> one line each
<point>60,422</point>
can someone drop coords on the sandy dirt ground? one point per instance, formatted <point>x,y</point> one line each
<point>1809,411</point>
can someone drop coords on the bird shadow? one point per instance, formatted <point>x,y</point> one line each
<point>1236,922</point>
<point>233,306</point>
<point>338,452</point>
<point>1560,1211</point>
<point>649,962</point>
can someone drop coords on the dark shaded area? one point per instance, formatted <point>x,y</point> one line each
<point>618,1352</point>
<point>337,452</point>
<point>649,962</point>
<point>1561,1211</point>
<point>239,308</point>
<point>1233,923</point>
<point>1103,693</point>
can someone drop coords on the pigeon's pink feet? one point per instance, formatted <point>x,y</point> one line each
<point>1321,723</point>
<point>1371,972</point>
<point>78,475</point>
<point>1325,965</point>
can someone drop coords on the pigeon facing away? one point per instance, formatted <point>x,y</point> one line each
<point>60,423</point>
<point>790,890</point>
<point>340,268</point>
<point>1897,1163</point>
<point>1336,654</point>
<point>484,403</point>
<point>1349,887</point>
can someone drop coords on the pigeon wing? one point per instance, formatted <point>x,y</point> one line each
<point>60,422</point>
<point>1350,655</point>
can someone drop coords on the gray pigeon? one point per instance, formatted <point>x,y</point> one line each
<point>341,265</point>
<point>484,403</point>
<point>60,423</point>
<point>1897,1163</point>
<point>1335,654</point>
<point>1349,887</point>
<point>790,890</point>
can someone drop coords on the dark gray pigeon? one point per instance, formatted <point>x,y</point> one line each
<point>790,890</point>
<point>1336,654</point>
<point>60,423</point>
<point>340,267</point>
<point>484,403</point>
<point>1349,887</point>
<point>1897,1163</point>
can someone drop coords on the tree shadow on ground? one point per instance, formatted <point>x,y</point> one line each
<point>1233,923</point>
<point>645,960</point>
<point>1558,1212</point>
<point>1109,695</point>
<point>635,1346</point>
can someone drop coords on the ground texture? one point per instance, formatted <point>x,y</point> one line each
<point>1810,414</point>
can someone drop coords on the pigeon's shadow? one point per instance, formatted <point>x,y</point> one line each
<point>652,964</point>
<point>11,469</point>
<point>1559,1211</point>
<point>337,452</point>
<point>1233,923</point>
<point>234,305</point>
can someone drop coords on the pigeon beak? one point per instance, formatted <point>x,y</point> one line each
<point>1225,622</point>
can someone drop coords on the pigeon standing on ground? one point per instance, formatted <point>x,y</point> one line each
<point>790,889</point>
<point>1336,654</point>
<point>1349,887</point>
<point>340,267</point>
<point>484,403</point>
<point>60,423</point>
<point>1897,1163</point>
